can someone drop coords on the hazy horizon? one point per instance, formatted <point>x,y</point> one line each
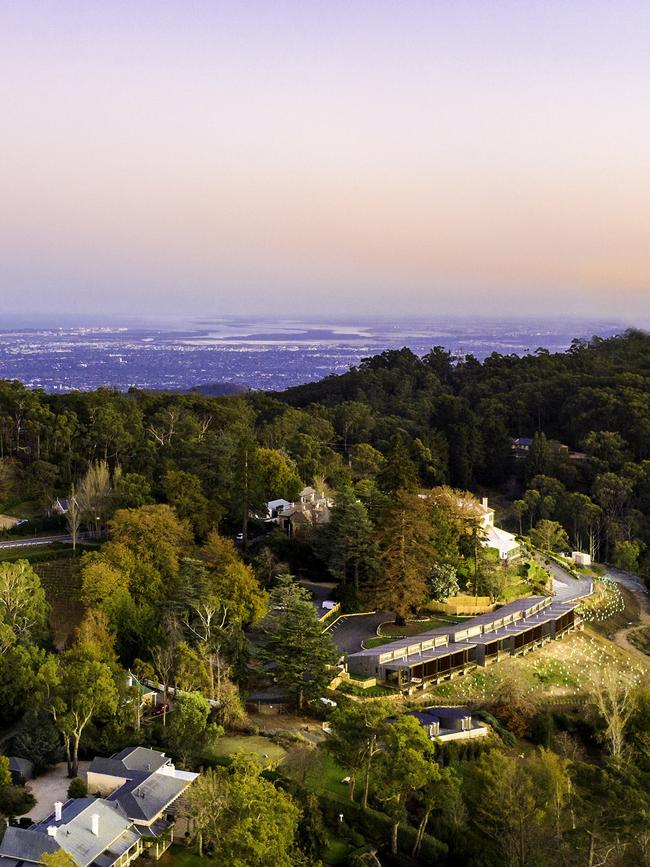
<point>420,157</point>
<point>183,321</point>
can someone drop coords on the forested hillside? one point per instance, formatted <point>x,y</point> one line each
<point>181,580</point>
<point>217,459</point>
<point>458,423</point>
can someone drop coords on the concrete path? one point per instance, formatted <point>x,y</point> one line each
<point>50,787</point>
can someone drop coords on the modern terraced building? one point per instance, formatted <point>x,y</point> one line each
<point>453,650</point>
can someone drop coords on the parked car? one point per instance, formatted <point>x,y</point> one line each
<point>159,709</point>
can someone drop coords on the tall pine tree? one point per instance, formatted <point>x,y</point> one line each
<point>293,638</point>
<point>406,555</point>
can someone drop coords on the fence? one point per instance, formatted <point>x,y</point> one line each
<point>466,605</point>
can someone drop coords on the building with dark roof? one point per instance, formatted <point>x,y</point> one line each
<point>450,723</point>
<point>145,786</point>
<point>91,831</point>
<point>21,770</point>
<point>453,650</point>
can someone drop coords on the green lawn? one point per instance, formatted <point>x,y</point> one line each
<point>180,855</point>
<point>413,627</point>
<point>377,642</point>
<point>368,692</point>
<point>517,590</point>
<point>337,852</point>
<point>255,745</point>
<point>326,779</point>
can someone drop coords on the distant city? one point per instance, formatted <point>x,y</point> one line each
<point>255,354</point>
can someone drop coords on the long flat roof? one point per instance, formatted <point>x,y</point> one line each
<point>428,655</point>
<point>520,608</point>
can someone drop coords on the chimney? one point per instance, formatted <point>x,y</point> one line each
<point>58,806</point>
<point>485,502</point>
<point>51,831</point>
<point>94,826</point>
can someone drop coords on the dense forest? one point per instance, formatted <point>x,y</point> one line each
<point>181,582</point>
<point>587,412</point>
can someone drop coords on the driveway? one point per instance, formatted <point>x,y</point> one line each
<point>629,580</point>
<point>352,629</point>
<point>635,585</point>
<point>50,787</point>
<point>566,588</point>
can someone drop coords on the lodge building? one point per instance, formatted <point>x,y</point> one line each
<point>453,650</point>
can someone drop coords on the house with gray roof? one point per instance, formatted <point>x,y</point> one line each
<point>146,787</point>
<point>450,723</point>
<point>21,770</point>
<point>91,831</point>
<point>133,809</point>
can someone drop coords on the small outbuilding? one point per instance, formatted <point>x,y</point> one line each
<point>21,770</point>
<point>580,558</point>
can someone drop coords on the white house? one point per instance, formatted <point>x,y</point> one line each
<point>494,537</point>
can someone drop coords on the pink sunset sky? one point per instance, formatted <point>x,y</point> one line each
<point>306,157</point>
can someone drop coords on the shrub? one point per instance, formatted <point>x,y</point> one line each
<point>542,729</point>
<point>15,800</point>
<point>77,788</point>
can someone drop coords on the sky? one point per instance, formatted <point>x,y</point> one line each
<point>304,158</point>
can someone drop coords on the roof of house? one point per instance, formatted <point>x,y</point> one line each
<point>273,504</point>
<point>21,766</point>
<point>427,655</point>
<point>24,844</point>
<point>141,759</point>
<point>73,834</point>
<point>440,714</point>
<point>483,623</point>
<point>150,782</point>
<point>147,795</point>
<point>496,537</point>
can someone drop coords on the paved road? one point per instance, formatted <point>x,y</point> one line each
<point>629,580</point>
<point>349,632</point>
<point>566,588</point>
<point>30,541</point>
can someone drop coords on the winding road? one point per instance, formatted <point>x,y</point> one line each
<point>635,585</point>
<point>31,541</point>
